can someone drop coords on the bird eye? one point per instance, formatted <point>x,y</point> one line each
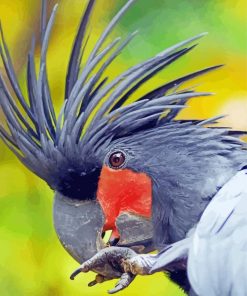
<point>117,159</point>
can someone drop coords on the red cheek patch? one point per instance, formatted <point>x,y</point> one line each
<point>123,191</point>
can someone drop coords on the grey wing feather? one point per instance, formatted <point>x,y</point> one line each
<point>217,263</point>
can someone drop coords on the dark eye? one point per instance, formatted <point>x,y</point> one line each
<point>117,159</point>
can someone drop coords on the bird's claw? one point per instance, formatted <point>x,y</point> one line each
<point>124,281</point>
<point>85,267</point>
<point>108,265</point>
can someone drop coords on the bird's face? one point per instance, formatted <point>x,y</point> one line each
<point>109,196</point>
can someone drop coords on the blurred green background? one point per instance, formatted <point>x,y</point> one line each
<point>32,262</point>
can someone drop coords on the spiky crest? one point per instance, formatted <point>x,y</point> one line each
<point>48,144</point>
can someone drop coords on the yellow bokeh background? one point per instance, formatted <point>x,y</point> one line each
<point>32,261</point>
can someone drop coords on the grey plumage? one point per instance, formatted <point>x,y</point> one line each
<point>176,151</point>
<point>37,136</point>
<point>218,251</point>
<point>186,161</point>
<point>216,247</point>
<point>75,59</point>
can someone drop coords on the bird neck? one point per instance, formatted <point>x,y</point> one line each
<point>172,217</point>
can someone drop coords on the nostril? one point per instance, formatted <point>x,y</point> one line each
<point>103,234</point>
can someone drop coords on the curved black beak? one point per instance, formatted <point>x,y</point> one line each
<point>79,226</point>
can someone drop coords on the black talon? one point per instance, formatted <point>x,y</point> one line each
<point>75,273</point>
<point>93,283</point>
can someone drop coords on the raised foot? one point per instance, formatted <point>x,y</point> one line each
<point>108,264</point>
